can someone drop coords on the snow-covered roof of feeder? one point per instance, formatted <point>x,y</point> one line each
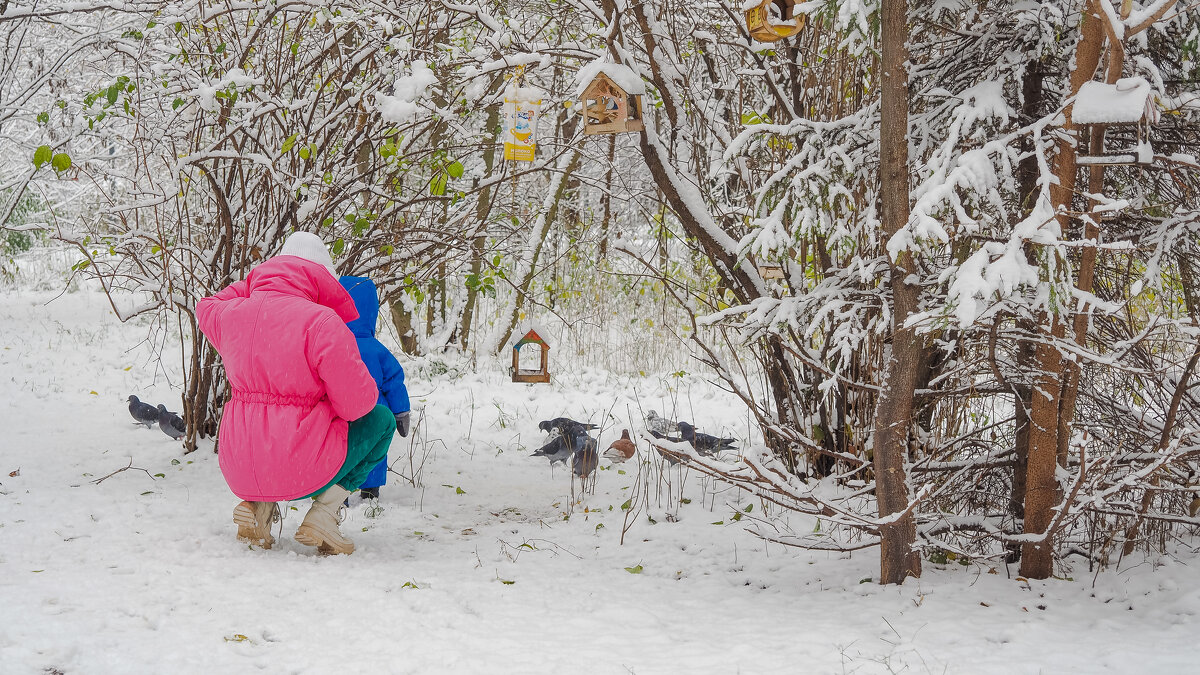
<point>521,334</point>
<point>621,75</point>
<point>1128,100</point>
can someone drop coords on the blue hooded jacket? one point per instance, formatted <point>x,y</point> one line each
<point>384,367</point>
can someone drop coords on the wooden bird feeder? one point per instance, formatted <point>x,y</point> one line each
<point>609,108</point>
<point>773,20</point>
<point>771,271</point>
<point>1128,107</point>
<point>542,374</point>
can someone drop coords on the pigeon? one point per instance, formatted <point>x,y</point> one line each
<point>621,449</point>
<point>659,425</point>
<point>558,449</point>
<point>671,459</point>
<point>565,425</point>
<point>703,443</point>
<point>170,423</point>
<point>144,413</point>
<point>585,461</point>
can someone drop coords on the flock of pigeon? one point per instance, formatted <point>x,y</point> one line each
<point>170,423</point>
<point>570,442</point>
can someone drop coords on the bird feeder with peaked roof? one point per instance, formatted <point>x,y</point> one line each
<point>772,20</point>
<point>611,94</point>
<point>1127,106</point>
<point>542,373</point>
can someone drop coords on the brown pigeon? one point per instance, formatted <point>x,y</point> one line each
<point>621,449</point>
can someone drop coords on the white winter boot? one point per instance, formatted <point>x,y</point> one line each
<point>320,526</point>
<point>254,522</point>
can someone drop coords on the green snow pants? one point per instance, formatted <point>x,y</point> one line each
<point>366,446</point>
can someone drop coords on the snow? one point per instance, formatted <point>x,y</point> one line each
<point>622,75</point>
<point>142,574</point>
<point>1126,101</point>
<point>401,106</point>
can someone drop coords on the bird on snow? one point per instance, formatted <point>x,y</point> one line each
<point>621,449</point>
<point>703,443</point>
<point>566,426</point>
<point>586,460</point>
<point>170,423</point>
<point>667,453</point>
<point>558,449</point>
<point>144,413</point>
<point>659,425</point>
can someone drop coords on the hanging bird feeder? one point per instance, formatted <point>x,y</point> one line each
<point>611,94</point>
<point>521,106</point>
<point>771,271</point>
<point>530,375</point>
<point>772,20</point>
<point>1127,107</point>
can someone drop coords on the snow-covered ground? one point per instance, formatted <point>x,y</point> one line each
<point>488,567</point>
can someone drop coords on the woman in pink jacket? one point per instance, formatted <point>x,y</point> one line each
<point>302,420</point>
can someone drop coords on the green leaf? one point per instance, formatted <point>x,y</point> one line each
<point>42,155</point>
<point>737,517</point>
<point>627,505</point>
<point>636,569</point>
<point>437,186</point>
<point>749,508</point>
<point>507,582</point>
<point>288,143</point>
<point>160,475</point>
<point>459,491</point>
<point>719,522</point>
<point>305,152</point>
<point>455,169</point>
<point>43,118</point>
<point>61,162</point>
<point>112,93</point>
<point>338,246</point>
<point>174,462</point>
<point>176,103</point>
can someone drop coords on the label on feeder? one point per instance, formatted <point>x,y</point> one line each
<point>520,128</point>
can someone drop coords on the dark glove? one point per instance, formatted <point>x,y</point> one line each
<point>402,423</point>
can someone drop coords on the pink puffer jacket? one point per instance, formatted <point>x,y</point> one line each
<point>296,377</point>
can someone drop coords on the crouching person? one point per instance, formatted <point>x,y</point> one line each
<point>302,419</point>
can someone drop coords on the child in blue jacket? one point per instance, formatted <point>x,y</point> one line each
<point>384,367</point>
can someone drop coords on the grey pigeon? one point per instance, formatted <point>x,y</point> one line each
<point>556,450</point>
<point>144,413</point>
<point>170,423</point>
<point>586,460</point>
<point>703,443</point>
<point>671,459</point>
<point>661,425</point>
<point>566,426</point>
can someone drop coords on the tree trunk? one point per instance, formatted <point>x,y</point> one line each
<point>1032,90</point>
<point>481,215</point>
<point>1041,488</point>
<point>549,211</point>
<point>894,408</point>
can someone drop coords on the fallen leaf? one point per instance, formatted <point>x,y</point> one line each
<point>636,569</point>
<point>14,474</point>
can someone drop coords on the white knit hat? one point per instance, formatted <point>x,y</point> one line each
<point>310,247</point>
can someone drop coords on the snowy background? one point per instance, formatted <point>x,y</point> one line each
<point>488,565</point>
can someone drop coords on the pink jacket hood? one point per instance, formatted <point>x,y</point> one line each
<point>295,374</point>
